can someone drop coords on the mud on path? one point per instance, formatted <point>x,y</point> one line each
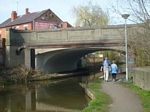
<point>123,99</point>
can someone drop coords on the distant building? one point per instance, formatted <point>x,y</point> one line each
<point>41,20</point>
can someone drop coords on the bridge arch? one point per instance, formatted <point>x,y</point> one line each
<point>65,60</point>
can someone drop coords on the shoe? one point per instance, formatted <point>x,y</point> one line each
<point>114,80</point>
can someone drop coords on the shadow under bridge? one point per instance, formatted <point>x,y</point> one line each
<point>62,60</point>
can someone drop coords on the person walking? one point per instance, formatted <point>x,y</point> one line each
<point>105,68</point>
<point>114,70</point>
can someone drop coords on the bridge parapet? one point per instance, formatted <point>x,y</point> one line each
<point>66,36</point>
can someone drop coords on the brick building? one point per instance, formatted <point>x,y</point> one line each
<point>41,20</point>
<point>45,19</point>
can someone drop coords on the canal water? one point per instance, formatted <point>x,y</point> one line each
<point>46,96</point>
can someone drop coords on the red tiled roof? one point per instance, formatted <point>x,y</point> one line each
<point>22,19</point>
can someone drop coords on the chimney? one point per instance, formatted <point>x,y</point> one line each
<point>13,15</point>
<point>27,11</point>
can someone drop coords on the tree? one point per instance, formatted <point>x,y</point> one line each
<point>141,40</point>
<point>90,15</point>
<point>139,10</point>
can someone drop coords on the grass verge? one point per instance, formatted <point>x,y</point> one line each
<point>101,101</point>
<point>144,95</point>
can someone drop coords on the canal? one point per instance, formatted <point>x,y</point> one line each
<point>65,95</point>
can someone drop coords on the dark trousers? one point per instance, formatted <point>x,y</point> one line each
<point>114,75</point>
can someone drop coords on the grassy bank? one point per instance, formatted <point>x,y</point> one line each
<point>101,101</point>
<point>144,95</point>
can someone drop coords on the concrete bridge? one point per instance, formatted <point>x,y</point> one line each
<point>60,49</point>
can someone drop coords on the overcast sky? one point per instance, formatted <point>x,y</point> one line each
<point>62,8</point>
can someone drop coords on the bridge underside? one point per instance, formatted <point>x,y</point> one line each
<point>63,60</point>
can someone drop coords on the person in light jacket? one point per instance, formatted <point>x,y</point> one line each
<point>114,70</point>
<point>105,68</point>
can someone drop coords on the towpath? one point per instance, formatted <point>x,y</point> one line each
<point>123,99</point>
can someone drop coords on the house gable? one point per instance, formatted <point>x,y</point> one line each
<point>47,20</point>
<point>48,16</point>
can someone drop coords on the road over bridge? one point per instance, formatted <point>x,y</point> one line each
<point>60,49</point>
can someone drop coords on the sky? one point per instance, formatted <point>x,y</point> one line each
<point>62,8</point>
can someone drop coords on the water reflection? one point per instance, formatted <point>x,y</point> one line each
<point>61,96</point>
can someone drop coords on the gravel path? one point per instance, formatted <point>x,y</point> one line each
<point>123,99</point>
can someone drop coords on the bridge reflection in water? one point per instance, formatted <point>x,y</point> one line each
<point>61,96</point>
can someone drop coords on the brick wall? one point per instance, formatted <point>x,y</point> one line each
<point>21,27</point>
<point>29,26</point>
<point>3,32</point>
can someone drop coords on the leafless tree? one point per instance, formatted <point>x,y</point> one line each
<point>139,40</point>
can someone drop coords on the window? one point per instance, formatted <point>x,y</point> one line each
<point>14,27</point>
<point>25,27</point>
<point>17,27</point>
